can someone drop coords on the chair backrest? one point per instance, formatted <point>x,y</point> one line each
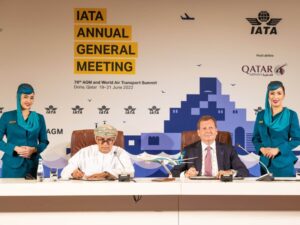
<point>84,138</point>
<point>190,137</point>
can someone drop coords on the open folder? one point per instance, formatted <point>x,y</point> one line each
<point>99,177</point>
<point>202,178</point>
<point>211,178</point>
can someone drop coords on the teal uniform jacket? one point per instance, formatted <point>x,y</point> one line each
<point>286,140</point>
<point>13,165</point>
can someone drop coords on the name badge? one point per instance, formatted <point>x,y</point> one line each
<point>12,122</point>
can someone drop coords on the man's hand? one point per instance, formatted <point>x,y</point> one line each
<point>224,172</point>
<point>97,176</point>
<point>77,174</point>
<point>25,151</point>
<point>191,172</point>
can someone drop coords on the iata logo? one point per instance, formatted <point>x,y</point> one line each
<point>154,110</point>
<point>103,110</point>
<point>77,110</point>
<point>51,109</point>
<point>263,24</point>
<point>130,110</point>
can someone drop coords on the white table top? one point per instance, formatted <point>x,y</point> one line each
<point>21,187</point>
<point>144,186</point>
<point>248,186</point>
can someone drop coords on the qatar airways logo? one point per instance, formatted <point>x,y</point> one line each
<point>264,70</point>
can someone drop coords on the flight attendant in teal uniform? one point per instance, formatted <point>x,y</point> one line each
<point>277,133</point>
<point>26,136</point>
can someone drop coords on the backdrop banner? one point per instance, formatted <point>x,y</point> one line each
<point>149,68</point>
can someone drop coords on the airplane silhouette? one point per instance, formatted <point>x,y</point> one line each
<point>232,84</point>
<point>199,65</point>
<point>187,17</point>
<point>162,160</point>
<point>162,91</point>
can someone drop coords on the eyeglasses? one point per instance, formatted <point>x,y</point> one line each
<point>109,141</point>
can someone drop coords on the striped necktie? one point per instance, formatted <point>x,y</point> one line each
<point>207,162</point>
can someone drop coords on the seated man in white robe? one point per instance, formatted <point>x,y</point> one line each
<point>90,162</point>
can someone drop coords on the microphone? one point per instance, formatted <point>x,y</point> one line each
<point>123,177</point>
<point>266,177</point>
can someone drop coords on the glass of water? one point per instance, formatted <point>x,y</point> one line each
<point>53,174</point>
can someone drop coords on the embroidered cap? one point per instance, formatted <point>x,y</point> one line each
<point>106,130</point>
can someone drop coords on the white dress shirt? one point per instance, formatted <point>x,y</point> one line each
<point>90,161</point>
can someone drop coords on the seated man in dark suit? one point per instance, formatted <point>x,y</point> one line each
<point>208,157</point>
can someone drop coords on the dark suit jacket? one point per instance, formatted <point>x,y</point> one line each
<point>227,159</point>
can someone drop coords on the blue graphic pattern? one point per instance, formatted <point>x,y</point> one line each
<point>209,101</point>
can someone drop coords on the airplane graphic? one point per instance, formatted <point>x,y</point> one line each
<point>164,161</point>
<point>187,17</point>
